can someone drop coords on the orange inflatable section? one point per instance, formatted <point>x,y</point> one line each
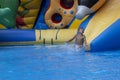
<point>60,13</point>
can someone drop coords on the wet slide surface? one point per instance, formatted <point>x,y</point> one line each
<point>102,20</point>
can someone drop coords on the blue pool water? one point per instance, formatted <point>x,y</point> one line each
<point>58,62</point>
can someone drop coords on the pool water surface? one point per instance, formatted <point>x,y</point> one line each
<point>57,62</point>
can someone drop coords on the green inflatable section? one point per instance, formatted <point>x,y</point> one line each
<point>8,11</point>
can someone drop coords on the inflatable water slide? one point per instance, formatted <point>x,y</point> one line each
<point>31,22</point>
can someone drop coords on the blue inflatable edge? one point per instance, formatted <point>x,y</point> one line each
<point>17,35</point>
<point>108,39</point>
<point>84,24</point>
